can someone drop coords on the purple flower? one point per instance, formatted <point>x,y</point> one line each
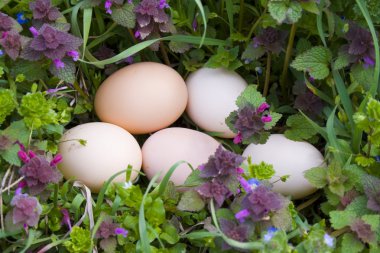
<point>52,43</point>
<point>266,118</point>
<point>152,19</point>
<point>269,234</point>
<point>23,156</point>
<point>260,202</point>
<point>248,122</point>
<point>328,240</point>
<point>43,10</point>
<point>263,107</point>
<point>66,217</point>
<point>214,190</point>
<point>26,210</point>
<point>271,39</point>
<point>238,139</point>
<point>237,232</point>
<point>1,52</point>
<point>38,173</point>
<point>11,43</point>
<point>73,54</point>
<point>55,90</point>
<point>194,25</point>
<point>20,17</point>
<point>371,187</point>
<point>241,215</point>
<point>106,229</point>
<point>249,185</point>
<point>121,231</point>
<point>6,22</point>
<point>57,159</point>
<point>107,6</point>
<point>363,231</point>
<point>360,45</point>
<point>34,31</point>
<point>223,163</point>
<point>58,64</point>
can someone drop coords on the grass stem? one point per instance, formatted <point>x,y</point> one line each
<point>288,55</point>
<point>267,75</point>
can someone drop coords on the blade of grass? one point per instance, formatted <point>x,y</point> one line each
<point>144,240</point>
<point>202,11</point>
<point>74,20</point>
<point>231,242</point>
<point>331,135</point>
<point>319,93</point>
<point>230,15</point>
<point>319,129</point>
<point>87,17</point>
<point>375,86</point>
<point>320,24</point>
<point>144,44</point>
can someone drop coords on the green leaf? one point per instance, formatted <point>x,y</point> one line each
<point>373,109</point>
<point>250,95</point>
<point>359,206</point>
<point>350,244</point>
<point>299,128</point>
<point>8,103</point>
<point>364,76</point>
<point>29,70</point>
<point>310,6</point>
<point>261,171</point>
<point>67,73</point>
<point>317,176</point>
<point>191,201</point>
<point>155,214</point>
<point>342,61</point>
<point>341,219</point>
<point>283,12</point>
<point>314,61</point>
<point>224,59</point>
<point>252,53</point>
<point>364,161</point>
<point>169,234</point>
<point>124,15</point>
<point>194,179</point>
<point>275,118</point>
<point>80,240</point>
<point>373,220</point>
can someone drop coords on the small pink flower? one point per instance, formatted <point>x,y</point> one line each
<point>242,215</point>
<point>57,159</point>
<point>58,63</point>
<point>4,35</point>
<point>73,54</point>
<point>239,170</point>
<point>238,138</point>
<point>23,156</point>
<point>34,31</point>
<point>66,217</point>
<point>137,35</point>
<point>266,118</point>
<point>201,167</point>
<point>31,154</point>
<point>107,6</point>
<point>264,106</point>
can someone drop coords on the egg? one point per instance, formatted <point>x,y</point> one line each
<point>168,146</point>
<point>212,96</point>
<point>288,158</point>
<point>142,97</point>
<point>108,149</point>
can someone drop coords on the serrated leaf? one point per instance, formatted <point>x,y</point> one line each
<point>252,53</point>
<point>179,47</point>
<point>364,76</point>
<point>314,61</point>
<point>364,161</point>
<point>373,220</point>
<point>283,12</point>
<point>124,15</point>
<point>300,128</point>
<point>29,70</point>
<point>341,219</point>
<point>317,177</point>
<point>350,244</point>
<point>359,206</point>
<point>67,73</point>
<point>275,118</point>
<point>261,171</point>
<point>250,96</point>
<point>310,6</point>
<point>191,201</point>
<point>342,61</point>
<point>194,179</point>
<point>282,219</point>
<point>303,45</point>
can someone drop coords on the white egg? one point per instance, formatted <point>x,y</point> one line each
<point>288,158</point>
<point>212,96</point>
<point>168,146</point>
<point>108,150</point>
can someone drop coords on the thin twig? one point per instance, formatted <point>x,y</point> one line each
<point>308,203</point>
<point>13,184</point>
<point>1,196</point>
<point>267,75</point>
<point>288,55</point>
<point>164,53</point>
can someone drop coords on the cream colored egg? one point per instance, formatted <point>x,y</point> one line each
<point>142,97</point>
<point>288,158</point>
<point>212,96</point>
<point>168,146</point>
<point>108,150</point>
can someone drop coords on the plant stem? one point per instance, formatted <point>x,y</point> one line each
<point>369,143</point>
<point>308,203</point>
<point>289,51</point>
<point>267,75</point>
<point>241,15</point>
<point>164,53</point>
<point>256,24</point>
<point>340,231</point>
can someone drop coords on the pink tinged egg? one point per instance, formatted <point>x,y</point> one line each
<point>108,149</point>
<point>288,157</point>
<point>168,146</point>
<point>212,96</point>
<point>142,97</point>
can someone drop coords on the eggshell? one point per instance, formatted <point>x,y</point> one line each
<point>168,146</point>
<point>288,158</point>
<point>142,97</point>
<point>212,96</point>
<point>108,150</point>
